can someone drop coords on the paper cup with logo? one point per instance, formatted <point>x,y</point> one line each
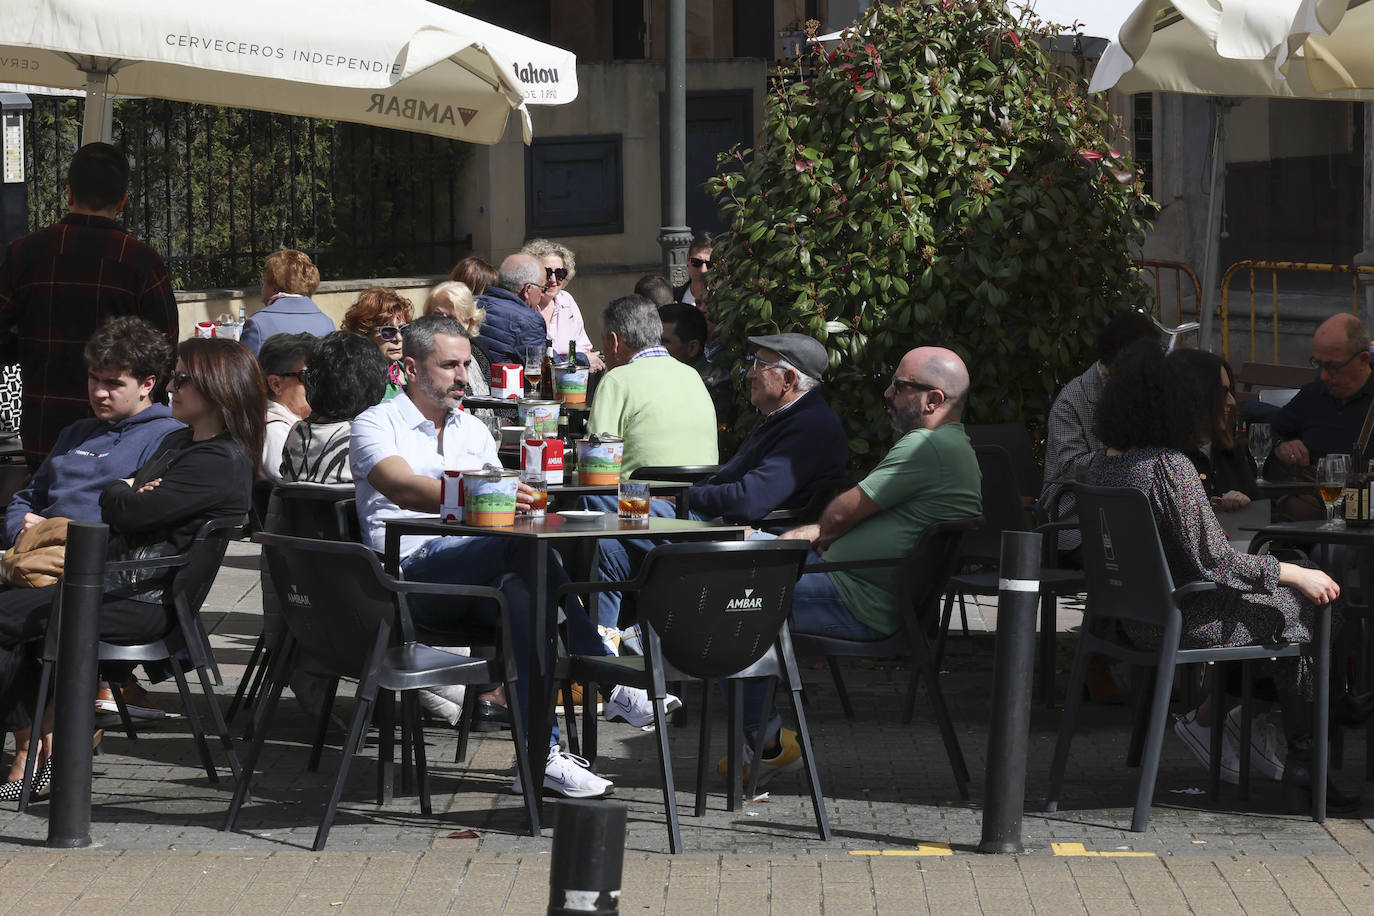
<point>489,497</point>
<point>599,459</point>
<point>205,329</point>
<point>571,385</point>
<point>545,415</point>
<point>451,496</point>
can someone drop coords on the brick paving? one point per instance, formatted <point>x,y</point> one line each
<point>902,841</point>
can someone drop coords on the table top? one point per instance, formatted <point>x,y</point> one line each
<point>1286,486</point>
<point>555,526</point>
<point>512,404</point>
<point>1313,531</point>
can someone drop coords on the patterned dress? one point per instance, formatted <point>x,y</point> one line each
<point>1249,605</point>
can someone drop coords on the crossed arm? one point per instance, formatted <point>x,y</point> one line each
<point>840,516</point>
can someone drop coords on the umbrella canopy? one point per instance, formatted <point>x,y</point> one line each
<point>1235,49</point>
<point>405,64</point>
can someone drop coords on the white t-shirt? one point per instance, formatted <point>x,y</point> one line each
<point>396,427</point>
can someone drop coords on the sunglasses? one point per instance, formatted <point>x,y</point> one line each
<point>389,332</point>
<point>178,379</point>
<point>558,273</point>
<point>299,373</point>
<point>699,262</point>
<point>900,383</point>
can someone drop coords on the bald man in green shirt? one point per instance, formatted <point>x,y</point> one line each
<point>931,474</point>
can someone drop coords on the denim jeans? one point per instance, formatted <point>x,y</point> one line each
<point>817,609</point>
<point>483,561</point>
<point>617,559</point>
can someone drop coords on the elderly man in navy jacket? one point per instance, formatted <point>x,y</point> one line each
<point>513,321</point>
<point>795,448</point>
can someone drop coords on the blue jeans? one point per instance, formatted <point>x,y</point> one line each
<point>483,561</point>
<point>617,559</point>
<point>817,609</point>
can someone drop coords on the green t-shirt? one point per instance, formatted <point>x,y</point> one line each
<point>930,475</point>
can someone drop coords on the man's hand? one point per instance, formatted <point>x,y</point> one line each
<point>595,360</point>
<point>524,497</point>
<point>1230,501</point>
<point>29,521</point>
<point>1293,452</point>
<point>150,485</point>
<point>807,533</point>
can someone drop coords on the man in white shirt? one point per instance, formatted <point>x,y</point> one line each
<point>399,449</point>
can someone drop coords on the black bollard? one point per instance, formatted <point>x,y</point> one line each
<point>588,855</point>
<point>1018,598</point>
<point>83,585</point>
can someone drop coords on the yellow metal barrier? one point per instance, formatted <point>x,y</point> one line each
<point>1274,267</point>
<point>1180,270</point>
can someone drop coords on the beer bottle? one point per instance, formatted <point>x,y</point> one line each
<point>546,388</point>
<point>572,355</point>
<point>1363,484</point>
<point>1351,492</point>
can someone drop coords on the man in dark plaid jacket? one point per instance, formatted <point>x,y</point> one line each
<point>59,285</point>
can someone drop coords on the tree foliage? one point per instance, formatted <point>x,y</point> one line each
<point>933,179</point>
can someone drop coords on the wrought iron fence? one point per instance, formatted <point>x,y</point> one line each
<point>216,190</point>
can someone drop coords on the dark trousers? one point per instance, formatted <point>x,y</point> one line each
<point>24,615</point>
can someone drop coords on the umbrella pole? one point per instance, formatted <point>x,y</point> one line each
<point>97,124</point>
<point>1216,202</point>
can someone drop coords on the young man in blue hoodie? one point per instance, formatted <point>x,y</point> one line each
<point>125,359</point>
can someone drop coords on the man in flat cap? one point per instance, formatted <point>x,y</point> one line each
<point>796,447</point>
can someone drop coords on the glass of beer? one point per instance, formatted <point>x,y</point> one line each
<point>539,503</point>
<point>634,501</point>
<point>1331,473</point>
<point>534,368</point>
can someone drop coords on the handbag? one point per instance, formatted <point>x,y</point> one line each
<point>37,557</point>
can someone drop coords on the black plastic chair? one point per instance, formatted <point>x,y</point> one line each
<point>1015,439</point>
<point>195,572</point>
<point>1004,510</point>
<point>305,510</point>
<point>1129,581</point>
<point>347,618</point>
<point>713,610</point>
<point>803,513</point>
<point>921,578</point>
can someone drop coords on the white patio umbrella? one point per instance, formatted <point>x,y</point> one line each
<point>1304,49</point>
<point>405,64</point>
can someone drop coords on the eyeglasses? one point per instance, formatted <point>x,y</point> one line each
<point>561,273</point>
<point>1332,368</point>
<point>299,373</point>
<point>900,383</point>
<point>178,379</point>
<point>760,363</point>
<point>699,262</point>
<point>389,332</point>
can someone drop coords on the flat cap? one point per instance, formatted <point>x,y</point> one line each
<point>806,353</point>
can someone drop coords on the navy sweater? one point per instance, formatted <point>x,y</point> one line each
<point>88,455</point>
<point>779,464</point>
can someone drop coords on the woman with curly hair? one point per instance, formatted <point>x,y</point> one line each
<point>381,314</point>
<point>560,312</point>
<point>1149,416</point>
<point>347,375</point>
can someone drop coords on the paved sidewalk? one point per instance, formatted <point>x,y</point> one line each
<point>902,840</point>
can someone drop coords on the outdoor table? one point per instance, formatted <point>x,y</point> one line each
<point>1361,539</point>
<point>577,416</point>
<point>543,533</point>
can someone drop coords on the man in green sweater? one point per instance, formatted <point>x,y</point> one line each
<point>658,405</point>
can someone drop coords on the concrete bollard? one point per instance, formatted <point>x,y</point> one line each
<point>1013,666</point>
<point>588,856</point>
<point>83,587</point>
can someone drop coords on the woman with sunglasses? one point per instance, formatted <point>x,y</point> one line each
<point>560,311</point>
<point>202,472</point>
<point>381,315</point>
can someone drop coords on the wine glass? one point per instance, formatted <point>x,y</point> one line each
<point>534,368</point>
<point>1331,474</point>
<point>1261,444</point>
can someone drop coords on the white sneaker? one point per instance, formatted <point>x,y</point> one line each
<point>630,641</point>
<point>632,705</point>
<point>1198,739</point>
<point>569,777</point>
<point>1267,747</point>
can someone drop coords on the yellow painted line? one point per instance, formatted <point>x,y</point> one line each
<point>922,849</point>
<point>1078,849</point>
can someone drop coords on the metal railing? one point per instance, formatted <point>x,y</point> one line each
<point>1275,267</point>
<point>216,190</point>
<point>1179,270</point>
